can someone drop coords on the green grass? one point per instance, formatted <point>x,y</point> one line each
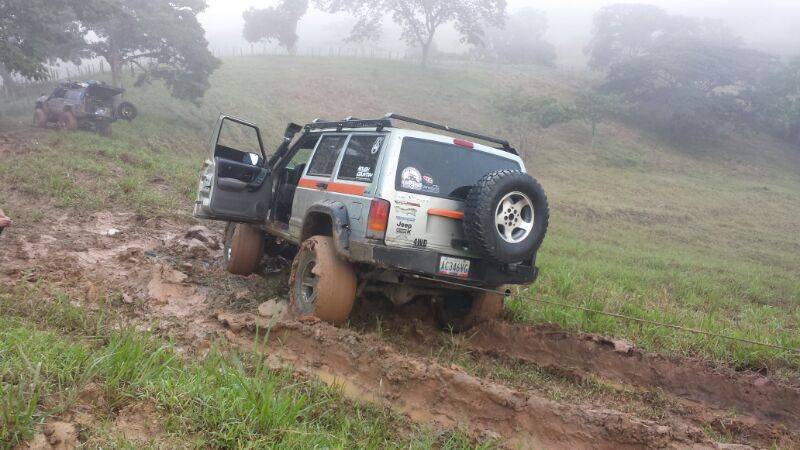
<point>51,350</point>
<point>704,235</point>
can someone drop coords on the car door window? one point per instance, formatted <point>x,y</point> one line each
<point>324,159</point>
<point>239,142</point>
<point>360,158</point>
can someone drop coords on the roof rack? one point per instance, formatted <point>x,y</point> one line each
<point>386,122</point>
<point>505,145</point>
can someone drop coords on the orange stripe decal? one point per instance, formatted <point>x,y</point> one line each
<point>340,188</point>
<point>458,215</point>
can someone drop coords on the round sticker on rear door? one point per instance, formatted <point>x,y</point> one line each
<point>411,178</point>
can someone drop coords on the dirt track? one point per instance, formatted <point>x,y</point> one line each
<point>168,272</point>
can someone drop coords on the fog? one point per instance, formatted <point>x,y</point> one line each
<point>770,26</point>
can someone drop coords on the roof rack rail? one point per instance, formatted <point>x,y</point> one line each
<point>378,124</point>
<point>386,122</point>
<point>505,145</point>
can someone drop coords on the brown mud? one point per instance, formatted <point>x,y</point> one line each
<point>168,273</point>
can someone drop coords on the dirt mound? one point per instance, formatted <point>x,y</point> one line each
<point>425,391</point>
<point>748,393</point>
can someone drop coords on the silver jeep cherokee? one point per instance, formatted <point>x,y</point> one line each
<point>362,205</point>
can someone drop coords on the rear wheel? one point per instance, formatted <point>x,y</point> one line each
<point>243,248</point>
<point>67,121</point>
<point>322,284</point>
<point>40,118</point>
<point>461,311</point>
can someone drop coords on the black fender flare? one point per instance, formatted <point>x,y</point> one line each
<point>340,223</point>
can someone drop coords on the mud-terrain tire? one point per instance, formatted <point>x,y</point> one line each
<point>462,311</point>
<point>40,118</point>
<point>67,121</point>
<point>321,284</point>
<point>104,129</point>
<point>126,111</point>
<point>506,216</point>
<point>243,248</point>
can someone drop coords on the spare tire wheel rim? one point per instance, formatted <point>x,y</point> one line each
<point>514,217</point>
<point>308,288</point>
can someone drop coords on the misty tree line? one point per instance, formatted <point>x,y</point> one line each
<point>684,77</point>
<point>483,24</point>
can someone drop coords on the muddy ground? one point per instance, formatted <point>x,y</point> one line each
<point>589,392</point>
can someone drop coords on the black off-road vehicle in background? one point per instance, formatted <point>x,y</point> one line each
<point>91,105</point>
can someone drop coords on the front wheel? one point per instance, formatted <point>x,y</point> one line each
<point>321,284</point>
<point>67,121</point>
<point>459,312</point>
<point>40,118</point>
<point>243,248</point>
<point>104,129</point>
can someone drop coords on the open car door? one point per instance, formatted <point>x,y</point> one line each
<point>234,182</point>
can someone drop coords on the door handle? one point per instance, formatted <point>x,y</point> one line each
<point>322,186</point>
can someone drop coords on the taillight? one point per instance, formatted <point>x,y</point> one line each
<point>378,218</point>
<point>463,143</point>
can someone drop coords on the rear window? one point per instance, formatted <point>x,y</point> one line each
<point>444,170</point>
<point>326,155</point>
<point>360,158</point>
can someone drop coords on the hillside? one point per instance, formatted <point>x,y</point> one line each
<point>703,236</point>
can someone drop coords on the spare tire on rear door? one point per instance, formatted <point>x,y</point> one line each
<point>506,216</point>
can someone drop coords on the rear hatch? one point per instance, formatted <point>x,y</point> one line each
<point>432,180</point>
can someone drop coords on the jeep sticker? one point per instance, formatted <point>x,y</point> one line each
<point>403,228</point>
<point>410,178</point>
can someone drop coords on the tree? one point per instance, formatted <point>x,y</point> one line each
<point>595,107</point>
<point>528,115</point>
<point>275,23</point>
<point>420,19</point>
<point>521,40</point>
<point>690,88</point>
<point>625,31</point>
<point>777,105</point>
<point>161,37</point>
<point>33,31</point>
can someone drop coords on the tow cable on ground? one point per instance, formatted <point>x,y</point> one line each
<point>507,293</point>
<point>796,351</point>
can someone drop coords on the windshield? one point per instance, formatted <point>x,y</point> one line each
<point>444,170</point>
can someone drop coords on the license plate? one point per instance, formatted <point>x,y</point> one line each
<point>454,266</point>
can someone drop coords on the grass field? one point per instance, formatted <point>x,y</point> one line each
<point>704,236</point>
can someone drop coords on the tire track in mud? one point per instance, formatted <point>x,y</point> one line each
<point>746,393</point>
<point>370,370</point>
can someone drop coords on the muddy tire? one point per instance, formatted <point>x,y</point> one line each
<point>67,121</point>
<point>40,118</point>
<point>243,248</point>
<point>506,216</point>
<point>462,311</point>
<point>321,284</point>
<point>104,129</point>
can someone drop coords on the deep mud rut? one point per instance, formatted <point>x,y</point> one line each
<point>167,273</point>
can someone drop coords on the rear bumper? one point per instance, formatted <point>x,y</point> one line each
<point>426,262</point>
